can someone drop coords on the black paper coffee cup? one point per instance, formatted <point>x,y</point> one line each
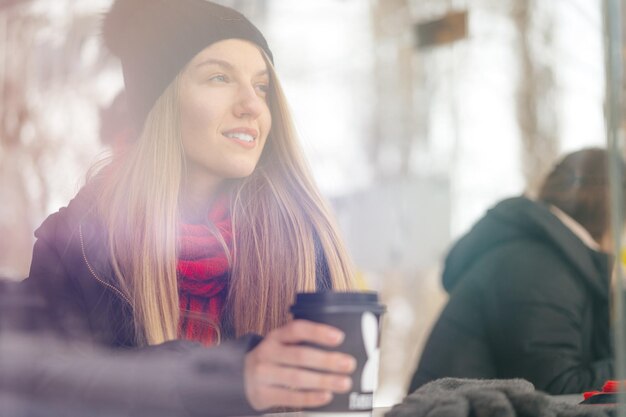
<point>357,314</point>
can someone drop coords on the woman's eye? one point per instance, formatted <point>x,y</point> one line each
<point>220,78</point>
<point>263,89</point>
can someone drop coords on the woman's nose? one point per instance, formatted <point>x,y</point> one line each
<point>249,103</point>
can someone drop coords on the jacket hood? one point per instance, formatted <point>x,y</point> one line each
<point>521,218</point>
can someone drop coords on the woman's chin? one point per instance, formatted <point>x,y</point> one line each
<point>240,173</point>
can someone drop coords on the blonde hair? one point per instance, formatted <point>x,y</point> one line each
<point>277,215</point>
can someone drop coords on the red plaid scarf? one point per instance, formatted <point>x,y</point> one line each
<point>203,275</point>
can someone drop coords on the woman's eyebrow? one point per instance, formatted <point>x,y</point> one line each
<point>227,65</point>
<point>214,61</point>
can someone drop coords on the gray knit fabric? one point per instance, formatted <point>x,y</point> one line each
<point>457,397</point>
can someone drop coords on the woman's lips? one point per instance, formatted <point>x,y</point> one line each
<point>242,136</point>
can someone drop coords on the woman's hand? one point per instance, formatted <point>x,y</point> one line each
<point>281,373</point>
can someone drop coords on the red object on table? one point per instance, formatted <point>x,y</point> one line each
<point>589,394</point>
<point>613,386</point>
<point>609,387</point>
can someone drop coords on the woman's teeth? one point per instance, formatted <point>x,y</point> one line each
<point>241,136</point>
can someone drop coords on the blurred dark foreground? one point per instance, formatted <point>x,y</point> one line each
<point>44,373</point>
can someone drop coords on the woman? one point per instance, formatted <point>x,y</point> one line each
<point>529,288</point>
<point>210,223</point>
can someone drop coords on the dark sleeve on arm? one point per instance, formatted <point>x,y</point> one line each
<point>213,384</point>
<point>188,380</point>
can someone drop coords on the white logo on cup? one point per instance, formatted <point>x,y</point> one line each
<point>369,330</point>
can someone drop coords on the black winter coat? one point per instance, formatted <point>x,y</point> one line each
<point>71,272</point>
<point>528,299</point>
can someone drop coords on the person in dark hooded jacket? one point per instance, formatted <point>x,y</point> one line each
<point>529,288</point>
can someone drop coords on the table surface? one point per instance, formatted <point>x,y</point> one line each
<point>380,411</point>
<point>377,412</point>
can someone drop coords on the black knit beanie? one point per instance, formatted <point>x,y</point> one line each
<point>155,39</point>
